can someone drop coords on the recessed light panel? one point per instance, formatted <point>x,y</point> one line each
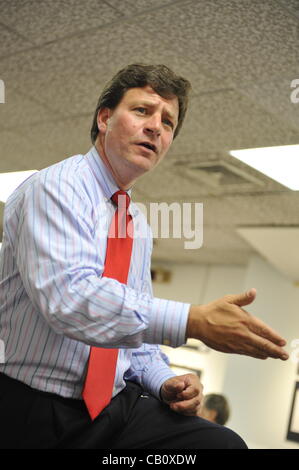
<point>279,163</point>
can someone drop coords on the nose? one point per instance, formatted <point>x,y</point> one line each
<point>153,125</point>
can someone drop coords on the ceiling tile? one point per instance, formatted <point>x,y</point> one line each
<point>277,97</point>
<point>280,208</point>
<point>240,57</point>
<point>228,120</point>
<point>43,144</point>
<point>226,38</point>
<point>20,111</point>
<point>42,22</point>
<point>135,7</point>
<point>70,75</point>
<point>291,6</point>
<point>11,42</point>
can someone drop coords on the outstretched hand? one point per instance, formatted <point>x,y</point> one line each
<point>225,326</point>
<point>183,394</point>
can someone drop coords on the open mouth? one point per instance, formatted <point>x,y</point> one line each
<point>149,146</point>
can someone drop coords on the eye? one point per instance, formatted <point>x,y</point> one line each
<point>168,123</point>
<point>141,109</point>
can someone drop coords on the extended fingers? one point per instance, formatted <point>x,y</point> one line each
<point>267,341</point>
<point>260,328</point>
<point>261,348</point>
<point>260,340</point>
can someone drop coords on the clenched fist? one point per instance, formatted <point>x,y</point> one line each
<point>183,394</point>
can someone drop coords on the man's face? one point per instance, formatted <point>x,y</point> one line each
<point>136,135</point>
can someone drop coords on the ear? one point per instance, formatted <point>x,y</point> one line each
<point>210,415</point>
<point>213,416</point>
<point>102,119</point>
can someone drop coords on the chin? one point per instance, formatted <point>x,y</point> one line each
<point>143,163</point>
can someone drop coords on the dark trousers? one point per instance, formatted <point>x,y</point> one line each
<point>31,419</point>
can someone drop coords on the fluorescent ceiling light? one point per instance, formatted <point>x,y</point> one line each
<point>279,163</point>
<point>10,181</point>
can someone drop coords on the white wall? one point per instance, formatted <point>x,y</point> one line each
<point>201,284</point>
<point>186,284</point>
<point>260,392</point>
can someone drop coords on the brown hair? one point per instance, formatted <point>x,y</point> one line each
<point>163,80</point>
<point>219,403</point>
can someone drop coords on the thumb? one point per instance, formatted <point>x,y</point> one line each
<point>243,299</point>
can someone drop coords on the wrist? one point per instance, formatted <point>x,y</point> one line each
<point>193,329</point>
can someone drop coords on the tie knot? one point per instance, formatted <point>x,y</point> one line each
<point>121,199</point>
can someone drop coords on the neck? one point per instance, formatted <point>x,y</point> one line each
<point>123,183</point>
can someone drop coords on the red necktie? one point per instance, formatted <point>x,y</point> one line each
<point>97,391</point>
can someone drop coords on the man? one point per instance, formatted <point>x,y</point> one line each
<point>58,308</point>
<point>215,408</point>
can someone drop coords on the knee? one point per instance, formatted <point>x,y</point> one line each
<point>228,439</point>
<point>215,436</point>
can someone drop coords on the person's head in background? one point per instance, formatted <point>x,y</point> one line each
<point>215,408</point>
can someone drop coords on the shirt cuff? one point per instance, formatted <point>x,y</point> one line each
<point>168,322</point>
<point>154,378</point>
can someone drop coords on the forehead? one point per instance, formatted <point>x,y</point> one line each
<point>150,96</point>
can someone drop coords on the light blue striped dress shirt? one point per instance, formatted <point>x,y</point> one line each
<point>54,302</point>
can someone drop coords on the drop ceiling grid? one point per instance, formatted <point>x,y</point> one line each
<point>50,69</point>
<point>233,39</point>
<point>219,122</point>
<point>69,75</point>
<point>41,21</point>
<point>11,42</point>
<point>291,6</point>
<point>240,57</point>
<point>43,145</point>
<point>225,120</point>
<point>131,8</point>
<point>21,111</point>
<point>71,72</point>
<point>280,209</point>
<point>226,214</point>
<point>275,98</point>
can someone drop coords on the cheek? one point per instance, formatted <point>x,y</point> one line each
<point>127,126</point>
<point>117,134</point>
<point>167,141</point>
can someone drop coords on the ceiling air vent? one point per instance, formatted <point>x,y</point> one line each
<point>221,173</point>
